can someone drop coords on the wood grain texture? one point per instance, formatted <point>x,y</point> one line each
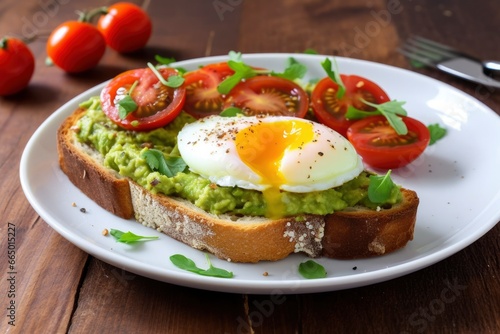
<point>113,300</point>
<point>61,289</point>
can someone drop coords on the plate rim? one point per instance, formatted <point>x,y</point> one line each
<point>242,285</point>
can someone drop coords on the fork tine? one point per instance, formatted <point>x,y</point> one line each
<point>415,56</point>
<point>436,44</point>
<point>439,50</point>
<point>423,52</point>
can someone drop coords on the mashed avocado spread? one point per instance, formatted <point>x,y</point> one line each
<point>122,151</point>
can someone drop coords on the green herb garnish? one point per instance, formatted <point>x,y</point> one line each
<point>334,75</point>
<point>310,51</point>
<point>231,112</point>
<point>293,70</point>
<point>165,60</point>
<point>168,166</point>
<point>391,110</point>
<point>380,187</point>
<point>185,263</point>
<point>241,71</point>
<point>127,104</point>
<point>129,237</point>
<point>311,270</point>
<point>437,132</point>
<point>172,81</point>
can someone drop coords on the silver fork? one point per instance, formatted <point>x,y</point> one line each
<point>451,61</point>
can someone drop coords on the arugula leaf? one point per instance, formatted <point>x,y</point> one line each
<point>169,166</point>
<point>187,264</point>
<point>173,81</point>
<point>437,132</point>
<point>380,187</point>
<point>129,237</point>
<point>293,70</point>
<point>334,75</point>
<point>311,270</point>
<point>390,110</point>
<point>214,271</point>
<point>231,112</point>
<point>127,104</point>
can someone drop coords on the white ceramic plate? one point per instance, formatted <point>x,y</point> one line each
<point>456,179</point>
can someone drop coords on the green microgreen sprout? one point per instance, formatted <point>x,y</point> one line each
<point>129,237</point>
<point>311,270</point>
<point>187,264</point>
<point>334,74</point>
<point>173,81</point>
<point>391,110</point>
<point>294,70</point>
<point>380,187</point>
<point>241,71</point>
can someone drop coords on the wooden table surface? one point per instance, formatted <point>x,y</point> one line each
<point>59,288</point>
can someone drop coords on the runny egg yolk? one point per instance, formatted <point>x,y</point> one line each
<point>262,146</point>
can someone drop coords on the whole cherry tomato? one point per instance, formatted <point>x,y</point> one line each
<point>16,65</point>
<point>76,46</point>
<point>126,27</point>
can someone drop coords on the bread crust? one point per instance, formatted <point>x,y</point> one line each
<point>354,233</point>
<point>237,239</point>
<point>86,172</point>
<point>360,232</point>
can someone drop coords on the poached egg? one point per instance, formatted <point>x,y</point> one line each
<point>268,154</point>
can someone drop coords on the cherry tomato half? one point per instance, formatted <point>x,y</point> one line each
<point>157,104</point>
<point>125,27</point>
<point>381,147</point>
<point>16,66</point>
<point>202,97</point>
<point>76,46</point>
<point>330,110</point>
<point>269,95</point>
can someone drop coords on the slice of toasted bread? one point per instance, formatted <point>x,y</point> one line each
<point>353,233</point>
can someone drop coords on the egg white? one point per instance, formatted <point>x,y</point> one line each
<point>208,148</point>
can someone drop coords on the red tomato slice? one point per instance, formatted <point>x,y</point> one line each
<point>381,147</point>
<point>157,104</point>
<point>202,97</point>
<point>330,111</point>
<point>269,95</point>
